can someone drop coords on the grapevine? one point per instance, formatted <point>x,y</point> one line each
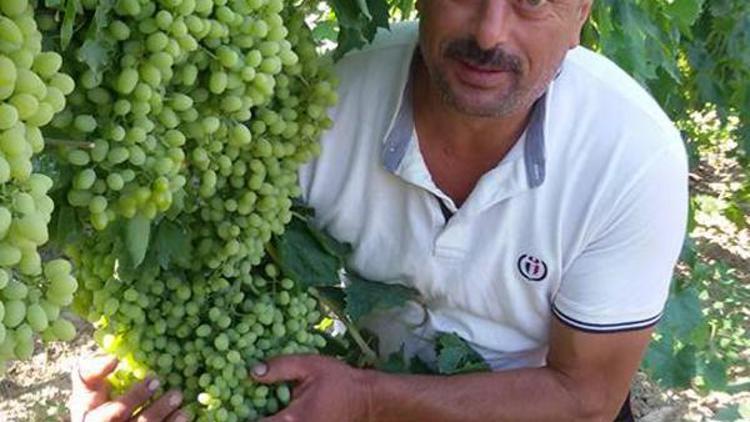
<point>32,90</point>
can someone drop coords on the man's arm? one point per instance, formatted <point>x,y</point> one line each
<point>586,378</point>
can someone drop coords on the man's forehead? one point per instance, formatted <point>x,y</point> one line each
<point>561,4</point>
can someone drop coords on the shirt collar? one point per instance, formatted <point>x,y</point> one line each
<point>399,136</point>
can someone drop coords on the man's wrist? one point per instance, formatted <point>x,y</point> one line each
<point>369,380</point>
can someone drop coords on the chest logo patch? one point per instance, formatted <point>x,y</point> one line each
<point>532,268</point>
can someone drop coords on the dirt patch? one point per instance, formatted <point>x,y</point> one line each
<point>38,389</point>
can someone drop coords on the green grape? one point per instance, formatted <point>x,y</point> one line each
<point>64,330</point>
<point>9,255</point>
<point>127,81</point>
<point>24,347</point>
<point>5,221</point>
<point>47,64</point>
<point>13,8</point>
<point>11,38</point>
<point>15,312</point>
<point>85,123</point>
<point>78,157</point>
<point>8,116</point>
<point>37,318</point>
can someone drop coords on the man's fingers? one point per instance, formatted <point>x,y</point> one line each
<point>93,370</point>
<point>122,408</point>
<point>161,409</point>
<point>284,368</point>
<point>283,416</point>
<point>90,387</point>
<point>178,416</point>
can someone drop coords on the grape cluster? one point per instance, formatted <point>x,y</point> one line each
<point>32,90</point>
<point>185,108</point>
<point>200,334</point>
<point>211,107</point>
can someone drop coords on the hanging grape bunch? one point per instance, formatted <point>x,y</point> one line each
<point>32,292</point>
<point>184,135</point>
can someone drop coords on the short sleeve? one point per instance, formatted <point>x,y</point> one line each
<point>620,281</point>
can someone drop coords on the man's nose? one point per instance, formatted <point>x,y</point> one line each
<point>493,23</point>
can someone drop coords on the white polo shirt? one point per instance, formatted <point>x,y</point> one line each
<point>582,221</point>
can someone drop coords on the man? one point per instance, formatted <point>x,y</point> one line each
<point>532,192</point>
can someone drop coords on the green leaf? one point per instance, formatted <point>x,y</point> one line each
<point>729,413</point>
<point>66,228</point>
<point>685,12</point>
<point>304,259</point>
<point>714,373</point>
<point>99,45</point>
<point>364,296</point>
<point>137,233</point>
<point>455,356</point>
<point>399,363</point>
<point>332,246</point>
<point>671,369</point>
<point>736,215</point>
<point>325,31</point>
<point>172,244</point>
<point>334,298</point>
<point>95,53</point>
<point>682,315</point>
<point>66,31</point>
<point>357,28</point>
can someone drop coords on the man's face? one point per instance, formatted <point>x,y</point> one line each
<point>493,58</point>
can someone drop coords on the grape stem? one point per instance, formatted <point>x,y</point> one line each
<point>55,142</point>
<point>369,356</point>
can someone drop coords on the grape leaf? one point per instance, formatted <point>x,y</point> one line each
<point>95,53</point>
<point>714,373</point>
<point>357,28</point>
<point>332,246</point>
<point>670,369</point>
<point>685,12</point>
<point>172,244</point>
<point>455,356</point>
<point>682,315</point>
<point>325,31</point>
<point>137,234</point>
<point>99,45</point>
<point>399,363</point>
<point>364,296</point>
<point>304,259</point>
<point>69,18</point>
<point>729,413</point>
<point>66,228</point>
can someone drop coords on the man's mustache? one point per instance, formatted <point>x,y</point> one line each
<point>497,59</point>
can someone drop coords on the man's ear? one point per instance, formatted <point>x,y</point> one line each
<point>583,13</point>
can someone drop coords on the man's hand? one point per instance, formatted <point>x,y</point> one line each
<point>89,401</point>
<point>324,389</point>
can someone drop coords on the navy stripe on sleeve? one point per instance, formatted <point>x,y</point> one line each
<point>605,328</point>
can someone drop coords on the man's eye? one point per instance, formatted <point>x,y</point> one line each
<point>534,3</point>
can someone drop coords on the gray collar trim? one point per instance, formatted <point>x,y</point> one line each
<point>397,142</point>
<point>534,150</point>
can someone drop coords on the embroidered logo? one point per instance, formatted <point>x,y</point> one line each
<point>532,268</point>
